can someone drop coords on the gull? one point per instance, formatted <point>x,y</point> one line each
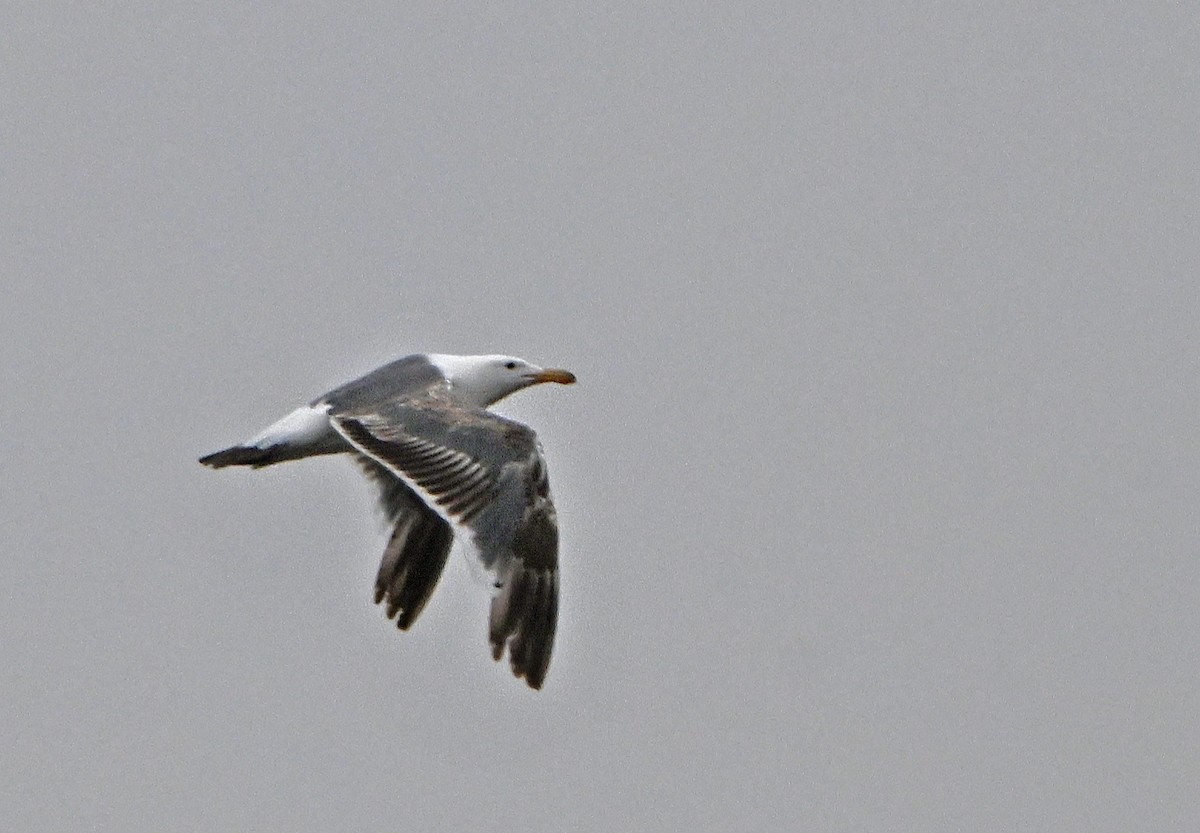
<point>444,465</point>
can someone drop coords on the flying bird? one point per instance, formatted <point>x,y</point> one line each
<point>420,429</point>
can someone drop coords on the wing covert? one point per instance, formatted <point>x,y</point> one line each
<point>487,474</point>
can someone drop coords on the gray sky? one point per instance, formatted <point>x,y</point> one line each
<point>878,491</point>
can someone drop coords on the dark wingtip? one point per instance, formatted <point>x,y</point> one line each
<point>523,619</point>
<point>414,558</point>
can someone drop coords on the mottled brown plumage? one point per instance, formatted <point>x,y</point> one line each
<point>418,427</point>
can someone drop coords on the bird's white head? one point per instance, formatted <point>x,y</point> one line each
<point>484,380</point>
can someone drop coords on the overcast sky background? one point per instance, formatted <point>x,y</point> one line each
<point>877,493</point>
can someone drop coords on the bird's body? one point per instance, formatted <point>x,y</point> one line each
<point>419,428</point>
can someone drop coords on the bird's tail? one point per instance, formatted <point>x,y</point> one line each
<point>246,455</point>
<point>305,432</point>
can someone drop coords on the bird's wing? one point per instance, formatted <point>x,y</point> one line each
<point>487,474</point>
<point>417,550</point>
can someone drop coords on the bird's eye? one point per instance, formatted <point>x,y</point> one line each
<point>511,365</point>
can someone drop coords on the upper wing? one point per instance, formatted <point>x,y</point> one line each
<point>409,376</point>
<point>416,551</point>
<point>486,473</point>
